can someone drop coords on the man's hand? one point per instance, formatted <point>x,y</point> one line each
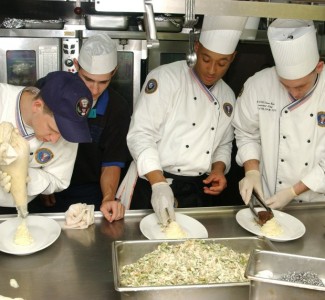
<point>217,182</point>
<point>252,180</point>
<point>112,210</point>
<point>281,199</point>
<point>48,200</point>
<point>162,201</point>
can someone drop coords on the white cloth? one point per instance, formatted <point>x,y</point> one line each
<point>79,216</point>
<point>177,128</point>
<point>288,140</point>
<point>126,188</point>
<point>48,177</point>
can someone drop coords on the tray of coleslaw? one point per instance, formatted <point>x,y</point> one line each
<point>208,268</point>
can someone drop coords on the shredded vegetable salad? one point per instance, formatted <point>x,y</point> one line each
<point>190,262</point>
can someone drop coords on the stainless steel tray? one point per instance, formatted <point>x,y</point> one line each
<point>44,24</point>
<point>164,24</point>
<point>269,287</point>
<point>107,22</point>
<point>126,252</point>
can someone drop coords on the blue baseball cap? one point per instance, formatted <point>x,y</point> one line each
<point>70,101</point>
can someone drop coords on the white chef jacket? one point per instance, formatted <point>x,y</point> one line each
<point>287,137</point>
<point>177,126</point>
<point>50,165</point>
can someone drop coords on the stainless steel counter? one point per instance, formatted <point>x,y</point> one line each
<point>79,264</point>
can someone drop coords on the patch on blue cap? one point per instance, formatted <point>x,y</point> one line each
<point>83,107</point>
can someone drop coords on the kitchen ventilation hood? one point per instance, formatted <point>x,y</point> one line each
<point>269,9</point>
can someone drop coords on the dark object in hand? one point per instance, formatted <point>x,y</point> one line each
<point>264,216</point>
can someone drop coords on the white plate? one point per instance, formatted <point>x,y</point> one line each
<point>44,231</point>
<point>292,227</point>
<point>152,230</point>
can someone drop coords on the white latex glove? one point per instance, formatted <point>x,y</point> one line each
<point>5,181</point>
<point>281,199</point>
<point>251,180</point>
<point>162,201</point>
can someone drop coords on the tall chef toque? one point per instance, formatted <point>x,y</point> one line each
<point>294,47</point>
<point>98,55</point>
<point>221,34</point>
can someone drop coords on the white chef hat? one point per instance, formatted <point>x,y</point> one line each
<point>294,47</point>
<point>221,34</point>
<point>98,55</point>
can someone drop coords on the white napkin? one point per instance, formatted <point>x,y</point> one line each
<point>79,216</point>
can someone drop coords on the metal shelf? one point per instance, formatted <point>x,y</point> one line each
<point>301,10</point>
<point>136,35</point>
<point>60,33</point>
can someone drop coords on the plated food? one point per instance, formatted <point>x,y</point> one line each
<point>291,227</point>
<point>43,230</point>
<point>272,228</point>
<point>185,225</point>
<point>174,231</point>
<point>22,236</point>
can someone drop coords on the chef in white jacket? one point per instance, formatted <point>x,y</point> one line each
<point>53,120</point>
<point>180,135</point>
<point>280,120</point>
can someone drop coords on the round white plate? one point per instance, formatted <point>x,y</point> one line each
<point>44,231</point>
<point>152,230</point>
<point>292,227</point>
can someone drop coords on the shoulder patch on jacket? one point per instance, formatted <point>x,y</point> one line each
<point>152,86</point>
<point>321,118</point>
<point>228,109</point>
<point>43,155</point>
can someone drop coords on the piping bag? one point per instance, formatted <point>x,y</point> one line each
<point>14,163</point>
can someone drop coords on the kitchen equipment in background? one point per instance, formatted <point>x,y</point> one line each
<point>190,19</point>
<point>120,6</point>
<point>32,24</point>
<point>168,52</point>
<point>25,60</point>
<point>44,24</point>
<point>164,23</point>
<point>250,30</point>
<point>265,269</point>
<point>107,22</point>
<point>70,50</point>
<point>127,80</point>
<point>191,55</point>
<point>130,55</point>
<point>150,25</point>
